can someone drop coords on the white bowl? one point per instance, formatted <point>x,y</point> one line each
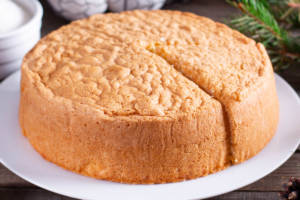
<point>15,44</point>
<point>9,67</point>
<point>77,9</point>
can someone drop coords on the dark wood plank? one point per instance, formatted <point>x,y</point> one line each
<point>8,179</point>
<point>38,194</point>
<point>247,196</point>
<point>275,180</point>
<point>29,194</point>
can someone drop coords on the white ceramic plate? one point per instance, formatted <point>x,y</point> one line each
<point>18,156</point>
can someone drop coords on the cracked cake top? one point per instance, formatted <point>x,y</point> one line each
<point>157,63</point>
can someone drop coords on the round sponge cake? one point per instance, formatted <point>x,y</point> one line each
<point>147,97</point>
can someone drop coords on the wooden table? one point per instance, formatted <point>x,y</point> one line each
<point>12,187</point>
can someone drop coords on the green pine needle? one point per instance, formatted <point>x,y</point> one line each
<point>284,12</point>
<point>262,20</point>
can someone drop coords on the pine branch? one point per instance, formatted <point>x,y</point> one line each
<point>260,23</point>
<point>286,12</point>
<point>258,10</point>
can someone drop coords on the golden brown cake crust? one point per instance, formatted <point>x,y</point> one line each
<point>147,97</point>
